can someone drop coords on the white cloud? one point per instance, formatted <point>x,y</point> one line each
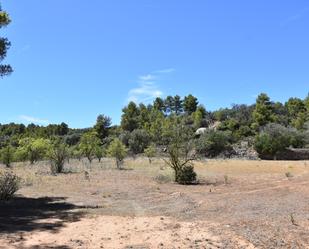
<point>301,14</point>
<point>148,88</point>
<point>147,91</point>
<point>33,120</point>
<point>167,70</point>
<point>147,77</point>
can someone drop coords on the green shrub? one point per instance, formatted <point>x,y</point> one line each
<point>118,151</point>
<point>150,152</point>
<point>58,154</point>
<point>139,140</point>
<point>187,175</point>
<point>275,138</point>
<point>9,185</point>
<point>7,155</point>
<point>88,144</point>
<point>212,143</point>
<point>99,153</point>
<point>33,149</point>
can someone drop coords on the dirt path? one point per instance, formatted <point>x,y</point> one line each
<point>124,232</point>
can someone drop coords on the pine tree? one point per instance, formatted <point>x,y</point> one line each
<point>5,44</point>
<point>263,112</point>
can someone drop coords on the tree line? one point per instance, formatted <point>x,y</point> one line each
<point>147,128</point>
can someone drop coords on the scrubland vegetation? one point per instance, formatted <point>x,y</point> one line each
<point>167,127</point>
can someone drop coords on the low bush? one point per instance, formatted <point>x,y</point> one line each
<point>58,154</point>
<point>187,175</point>
<point>139,140</point>
<point>212,143</point>
<point>9,185</point>
<point>275,138</point>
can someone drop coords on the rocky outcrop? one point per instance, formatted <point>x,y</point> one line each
<point>246,151</point>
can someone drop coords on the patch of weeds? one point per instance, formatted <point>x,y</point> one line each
<point>293,221</point>
<point>288,175</point>
<point>105,195</point>
<point>226,179</point>
<point>163,178</point>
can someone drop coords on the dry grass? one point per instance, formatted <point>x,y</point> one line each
<point>239,204</point>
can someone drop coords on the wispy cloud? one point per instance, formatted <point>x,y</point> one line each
<point>167,70</point>
<point>295,17</point>
<point>148,88</point>
<point>147,77</point>
<point>147,91</point>
<point>34,120</point>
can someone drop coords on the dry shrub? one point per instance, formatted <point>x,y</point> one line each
<point>9,184</point>
<point>163,178</point>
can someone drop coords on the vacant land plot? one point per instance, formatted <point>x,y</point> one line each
<point>239,204</point>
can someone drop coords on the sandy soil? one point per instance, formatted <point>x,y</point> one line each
<point>239,204</point>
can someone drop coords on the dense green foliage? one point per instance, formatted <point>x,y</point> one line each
<point>7,155</point>
<point>89,144</point>
<point>118,151</point>
<point>212,143</point>
<point>276,138</point>
<point>138,141</point>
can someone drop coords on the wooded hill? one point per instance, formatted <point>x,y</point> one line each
<point>268,126</point>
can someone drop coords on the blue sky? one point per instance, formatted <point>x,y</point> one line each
<point>76,59</point>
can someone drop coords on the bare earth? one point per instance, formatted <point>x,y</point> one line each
<point>239,204</point>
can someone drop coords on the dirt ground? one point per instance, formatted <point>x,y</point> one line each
<point>238,204</point>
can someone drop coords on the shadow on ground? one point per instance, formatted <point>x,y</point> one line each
<point>43,246</point>
<point>23,214</point>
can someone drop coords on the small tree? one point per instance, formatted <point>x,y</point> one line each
<point>88,144</point>
<point>76,152</point>
<point>7,155</point>
<point>33,149</point>
<point>150,152</point>
<point>58,154</point>
<point>99,153</point>
<point>117,150</point>
<point>263,112</point>
<point>190,104</point>
<point>102,126</point>
<point>180,154</point>
<point>138,141</point>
